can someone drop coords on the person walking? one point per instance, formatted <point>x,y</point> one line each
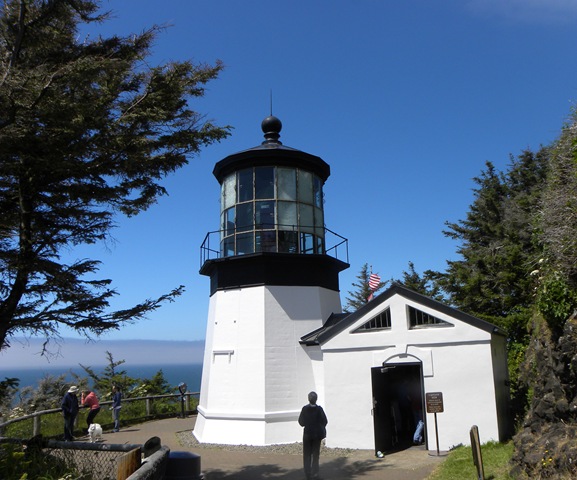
<point>69,411</point>
<point>314,421</point>
<point>116,406</point>
<point>90,400</point>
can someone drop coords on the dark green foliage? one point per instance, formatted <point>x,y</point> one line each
<point>20,462</point>
<point>8,388</point>
<point>157,385</point>
<point>357,298</point>
<point>498,247</point>
<point>556,300</point>
<point>129,386</point>
<point>87,131</point>
<point>427,284</point>
<point>46,395</point>
<point>111,375</point>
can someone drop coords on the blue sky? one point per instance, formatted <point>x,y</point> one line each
<point>406,100</point>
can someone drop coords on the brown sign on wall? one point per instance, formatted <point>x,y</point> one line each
<point>434,401</point>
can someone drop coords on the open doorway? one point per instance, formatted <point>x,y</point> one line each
<point>397,404</point>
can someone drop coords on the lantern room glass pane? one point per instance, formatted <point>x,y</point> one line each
<point>307,243</point>
<point>229,222</point>
<point>245,185</point>
<point>287,242</point>
<point>320,243</point>
<point>318,217</point>
<point>306,220</point>
<point>265,241</point>
<point>264,214</point>
<point>287,184</point>
<point>244,243</point>
<point>264,182</point>
<point>228,192</point>
<point>227,247</point>
<point>305,187</point>
<point>318,192</point>
<point>287,215</point>
<point>244,217</point>
<point>319,223</point>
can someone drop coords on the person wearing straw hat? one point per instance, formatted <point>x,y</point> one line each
<point>70,409</point>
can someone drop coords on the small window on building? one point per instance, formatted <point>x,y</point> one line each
<point>381,322</point>
<point>418,319</point>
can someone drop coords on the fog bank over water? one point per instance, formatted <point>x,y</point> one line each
<point>24,353</point>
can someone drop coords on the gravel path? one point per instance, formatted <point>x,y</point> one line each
<point>187,439</point>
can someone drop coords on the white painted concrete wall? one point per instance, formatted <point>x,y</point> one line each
<point>256,375</point>
<point>457,361</point>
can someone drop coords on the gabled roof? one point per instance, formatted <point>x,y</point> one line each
<point>340,322</point>
<point>333,320</point>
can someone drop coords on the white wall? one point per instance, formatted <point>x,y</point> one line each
<point>457,361</point>
<point>256,375</point>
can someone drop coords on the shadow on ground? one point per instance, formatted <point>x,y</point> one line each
<point>337,469</point>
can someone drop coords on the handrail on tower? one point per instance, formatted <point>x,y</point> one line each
<point>339,248</point>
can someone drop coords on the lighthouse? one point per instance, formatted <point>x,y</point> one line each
<point>274,278</point>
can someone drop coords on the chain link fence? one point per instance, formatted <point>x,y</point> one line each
<point>88,461</point>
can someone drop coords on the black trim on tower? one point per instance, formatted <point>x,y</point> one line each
<point>273,269</point>
<point>278,156</point>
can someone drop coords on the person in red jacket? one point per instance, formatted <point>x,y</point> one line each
<point>90,400</point>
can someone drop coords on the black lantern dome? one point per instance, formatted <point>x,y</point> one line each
<point>271,204</point>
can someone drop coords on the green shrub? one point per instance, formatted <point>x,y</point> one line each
<point>19,463</point>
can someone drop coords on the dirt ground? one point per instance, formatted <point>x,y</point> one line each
<point>225,463</point>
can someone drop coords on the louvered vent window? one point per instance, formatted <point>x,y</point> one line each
<point>381,322</point>
<point>418,319</point>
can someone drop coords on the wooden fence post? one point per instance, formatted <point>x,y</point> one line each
<point>128,464</point>
<point>37,425</point>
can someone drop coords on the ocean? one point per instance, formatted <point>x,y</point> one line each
<point>173,373</point>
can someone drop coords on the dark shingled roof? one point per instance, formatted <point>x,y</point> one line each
<point>339,322</point>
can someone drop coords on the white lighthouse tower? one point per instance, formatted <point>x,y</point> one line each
<point>273,279</point>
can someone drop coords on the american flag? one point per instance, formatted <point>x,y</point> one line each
<point>374,281</point>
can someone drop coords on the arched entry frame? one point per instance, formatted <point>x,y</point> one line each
<point>398,400</point>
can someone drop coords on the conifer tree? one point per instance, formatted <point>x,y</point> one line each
<point>357,298</point>
<point>87,131</point>
<point>111,375</point>
<point>427,284</point>
<point>498,248</point>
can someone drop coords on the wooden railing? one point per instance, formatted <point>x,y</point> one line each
<point>37,416</point>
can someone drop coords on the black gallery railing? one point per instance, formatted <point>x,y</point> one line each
<point>334,245</point>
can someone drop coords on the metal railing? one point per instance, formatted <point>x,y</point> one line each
<point>339,245</point>
<point>149,402</point>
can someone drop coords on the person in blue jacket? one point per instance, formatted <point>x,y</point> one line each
<point>69,412</point>
<point>116,406</point>
<point>314,421</point>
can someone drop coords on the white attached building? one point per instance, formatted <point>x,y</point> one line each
<point>403,344</point>
<point>275,330</point>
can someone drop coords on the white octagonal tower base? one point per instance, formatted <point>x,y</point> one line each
<point>256,375</point>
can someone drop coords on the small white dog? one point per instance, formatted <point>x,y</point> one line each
<point>95,432</point>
